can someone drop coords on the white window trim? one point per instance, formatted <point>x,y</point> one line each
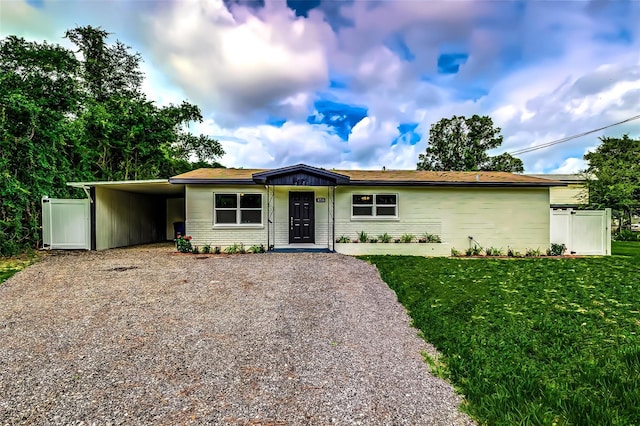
<point>373,207</point>
<point>238,210</point>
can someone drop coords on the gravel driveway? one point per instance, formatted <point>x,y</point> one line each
<point>144,335</point>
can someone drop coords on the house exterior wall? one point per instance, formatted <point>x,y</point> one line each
<point>199,221</point>
<point>572,194</point>
<point>125,218</point>
<point>498,217</point>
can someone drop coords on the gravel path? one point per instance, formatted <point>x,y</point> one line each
<point>144,335</point>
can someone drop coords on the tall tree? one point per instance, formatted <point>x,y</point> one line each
<point>39,98</point>
<point>613,176</point>
<point>461,144</point>
<point>65,118</point>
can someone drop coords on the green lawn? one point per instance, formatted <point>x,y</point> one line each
<point>531,341</point>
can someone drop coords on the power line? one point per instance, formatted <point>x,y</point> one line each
<point>568,138</point>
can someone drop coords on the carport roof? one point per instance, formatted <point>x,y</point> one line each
<point>150,186</point>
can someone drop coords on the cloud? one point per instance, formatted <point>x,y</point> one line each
<point>243,65</point>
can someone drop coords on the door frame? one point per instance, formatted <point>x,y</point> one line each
<point>312,200</point>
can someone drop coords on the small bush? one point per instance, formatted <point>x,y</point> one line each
<point>183,244</point>
<point>432,238</point>
<point>492,251</point>
<point>206,249</point>
<point>233,249</point>
<point>195,250</point>
<point>256,249</point>
<point>513,253</point>
<point>397,240</point>
<point>217,250</point>
<point>533,252</point>
<point>455,253</point>
<point>373,240</point>
<point>407,238</point>
<point>343,239</point>
<point>363,237</point>
<point>384,238</point>
<point>476,250</point>
<point>556,249</point>
<point>627,235</point>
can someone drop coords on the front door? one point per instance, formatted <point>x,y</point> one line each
<point>301,217</point>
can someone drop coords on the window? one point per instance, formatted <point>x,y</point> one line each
<point>374,205</point>
<point>237,209</point>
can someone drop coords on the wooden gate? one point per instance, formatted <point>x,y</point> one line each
<point>66,224</point>
<point>586,232</point>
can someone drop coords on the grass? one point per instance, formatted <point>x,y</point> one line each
<point>9,266</point>
<point>531,341</point>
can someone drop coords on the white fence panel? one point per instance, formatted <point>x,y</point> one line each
<point>585,232</point>
<point>66,224</point>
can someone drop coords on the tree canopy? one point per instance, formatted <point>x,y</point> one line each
<point>613,176</point>
<point>67,117</point>
<point>461,144</point>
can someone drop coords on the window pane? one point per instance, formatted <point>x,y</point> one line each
<point>250,216</point>
<point>250,201</point>
<point>385,211</point>
<point>362,211</point>
<point>386,199</point>
<point>362,199</point>
<point>225,216</point>
<point>227,201</point>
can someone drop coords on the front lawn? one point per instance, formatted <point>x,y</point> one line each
<point>531,341</point>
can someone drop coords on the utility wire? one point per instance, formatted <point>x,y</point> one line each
<point>568,138</point>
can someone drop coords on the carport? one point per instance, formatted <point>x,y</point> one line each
<point>126,213</point>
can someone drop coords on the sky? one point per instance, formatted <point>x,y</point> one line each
<point>358,83</point>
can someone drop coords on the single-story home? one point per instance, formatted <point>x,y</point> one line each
<point>302,206</point>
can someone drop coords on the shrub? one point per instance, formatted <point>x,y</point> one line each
<point>234,249</point>
<point>384,238</point>
<point>397,240</point>
<point>407,238</point>
<point>627,235</point>
<point>195,250</point>
<point>513,253</point>
<point>432,238</point>
<point>533,252</point>
<point>492,251</point>
<point>476,250</point>
<point>217,250</point>
<point>455,253</point>
<point>256,249</point>
<point>556,249</point>
<point>206,249</point>
<point>183,244</point>
<point>343,239</point>
<point>363,237</point>
<point>373,240</point>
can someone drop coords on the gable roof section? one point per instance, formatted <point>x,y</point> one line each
<point>369,177</point>
<point>317,176</point>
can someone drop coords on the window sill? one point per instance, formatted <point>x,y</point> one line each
<point>375,218</point>
<point>239,226</point>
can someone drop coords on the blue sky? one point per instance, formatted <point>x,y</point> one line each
<point>357,84</point>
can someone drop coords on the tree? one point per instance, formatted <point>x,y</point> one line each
<point>613,176</point>
<point>66,118</point>
<point>461,144</point>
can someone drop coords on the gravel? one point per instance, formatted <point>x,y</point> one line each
<point>145,335</point>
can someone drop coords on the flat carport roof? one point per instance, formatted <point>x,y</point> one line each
<point>150,187</point>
